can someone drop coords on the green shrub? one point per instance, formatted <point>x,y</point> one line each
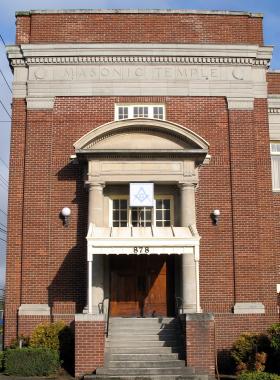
<point>258,376</point>
<point>56,336</point>
<point>31,361</point>
<point>274,333</point>
<point>1,360</point>
<point>250,352</point>
<point>47,335</point>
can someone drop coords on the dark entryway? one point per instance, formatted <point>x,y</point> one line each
<point>142,286</point>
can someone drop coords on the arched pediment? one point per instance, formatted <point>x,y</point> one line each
<point>138,135</point>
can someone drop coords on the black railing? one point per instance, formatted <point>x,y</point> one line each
<point>104,308</point>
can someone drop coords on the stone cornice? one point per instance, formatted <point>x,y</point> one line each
<point>136,11</point>
<point>250,55</point>
<point>274,104</point>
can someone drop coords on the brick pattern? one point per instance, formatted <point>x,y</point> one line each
<point>200,352</point>
<point>27,323</point>
<point>23,24</point>
<point>56,262</point>
<point>273,80</point>
<point>236,325</point>
<point>140,28</point>
<point>89,347</point>
<point>15,216</point>
<point>244,205</point>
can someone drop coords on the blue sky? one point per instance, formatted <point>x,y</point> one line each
<point>270,8</point>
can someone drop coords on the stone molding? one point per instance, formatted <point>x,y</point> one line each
<point>249,308</point>
<point>89,318</point>
<point>39,103</point>
<point>140,59</point>
<point>34,309</point>
<point>233,71</point>
<point>38,54</point>
<point>102,132</point>
<point>139,11</point>
<point>274,104</point>
<point>240,103</point>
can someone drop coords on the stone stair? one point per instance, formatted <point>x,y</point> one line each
<point>144,348</point>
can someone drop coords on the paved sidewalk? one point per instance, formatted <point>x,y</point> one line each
<point>62,375</point>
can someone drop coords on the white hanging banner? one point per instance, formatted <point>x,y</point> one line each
<point>141,194</point>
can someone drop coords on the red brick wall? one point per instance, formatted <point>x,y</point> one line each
<point>15,215</point>
<point>273,80</point>
<point>89,346</point>
<point>23,29</point>
<point>140,28</point>
<point>229,326</point>
<point>200,337</point>
<point>54,257</point>
<point>27,323</point>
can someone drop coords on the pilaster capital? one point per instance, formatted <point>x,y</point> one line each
<point>95,185</point>
<point>187,185</point>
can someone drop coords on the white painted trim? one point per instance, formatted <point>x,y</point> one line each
<point>90,309</point>
<point>131,106</point>
<point>196,259</point>
<point>34,309</point>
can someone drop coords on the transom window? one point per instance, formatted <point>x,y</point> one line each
<point>152,111</point>
<point>275,165</point>
<point>161,215</point>
<point>163,212</point>
<point>120,212</point>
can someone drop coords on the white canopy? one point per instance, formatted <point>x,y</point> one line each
<point>141,240</point>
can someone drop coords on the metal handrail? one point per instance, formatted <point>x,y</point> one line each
<point>107,315</point>
<point>179,305</point>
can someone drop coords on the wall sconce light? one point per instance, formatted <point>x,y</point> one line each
<point>215,214</point>
<point>65,214</point>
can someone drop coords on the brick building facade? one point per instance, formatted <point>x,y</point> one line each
<point>182,100</point>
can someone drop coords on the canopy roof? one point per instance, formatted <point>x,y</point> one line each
<point>141,240</point>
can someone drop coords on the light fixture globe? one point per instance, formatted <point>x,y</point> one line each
<point>66,212</point>
<point>215,214</point>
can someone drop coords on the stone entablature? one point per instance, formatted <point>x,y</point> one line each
<point>274,116</point>
<point>46,71</point>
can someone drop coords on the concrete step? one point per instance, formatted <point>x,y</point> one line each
<point>143,350</point>
<point>141,337</point>
<point>143,357</point>
<point>146,377</point>
<point>144,371</point>
<point>141,343</point>
<point>146,364</point>
<point>126,322</point>
<point>141,329</point>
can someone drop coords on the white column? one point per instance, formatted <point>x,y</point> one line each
<point>95,216</point>
<point>190,265</point>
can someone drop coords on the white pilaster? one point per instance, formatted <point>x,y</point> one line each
<point>96,278</point>
<point>190,262</point>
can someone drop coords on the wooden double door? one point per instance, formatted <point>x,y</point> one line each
<point>141,286</point>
